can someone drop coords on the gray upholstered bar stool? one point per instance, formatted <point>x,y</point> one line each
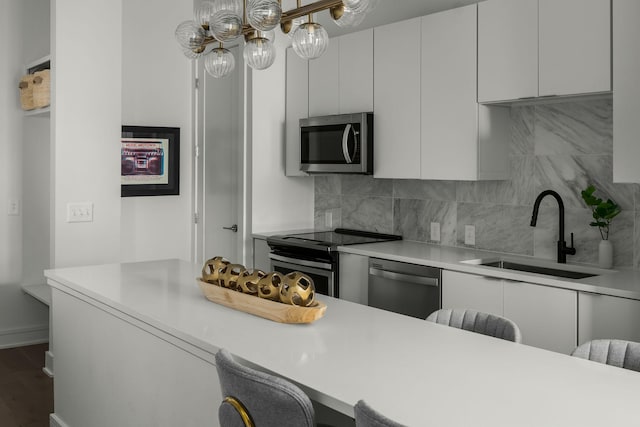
<point>477,321</point>
<point>252,398</point>
<point>620,353</point>
<point>366,416</point>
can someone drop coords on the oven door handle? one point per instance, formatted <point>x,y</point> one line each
<point>410,278</point>
<point>303,262</point>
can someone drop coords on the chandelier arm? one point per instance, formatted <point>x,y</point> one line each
<point>314,7</point>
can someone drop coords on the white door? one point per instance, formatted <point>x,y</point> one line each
<point>219,166</point>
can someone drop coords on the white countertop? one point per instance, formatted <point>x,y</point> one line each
<point>411,370</point>
<point>616,282</point>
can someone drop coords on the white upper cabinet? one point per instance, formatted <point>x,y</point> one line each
<point>575,46</point>
<point>507,49</point>
<point>626,90</point>
<point>341,80</point>
<point>356,72</point>
<point>460,140</point>
<point>296,108</point>
<point>396,82</point>
<point>531,48</point>
<point>323,82</point>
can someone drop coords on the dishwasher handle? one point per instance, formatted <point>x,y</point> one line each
<point>409,278</point>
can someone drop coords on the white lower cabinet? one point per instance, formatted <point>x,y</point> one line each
<point>546,316</point>
<point>354,278</point>
<point>607,317</point>
<point>261,254</point>
<point>463,290</point>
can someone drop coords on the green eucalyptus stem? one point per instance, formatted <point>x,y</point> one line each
<point>602,211</point>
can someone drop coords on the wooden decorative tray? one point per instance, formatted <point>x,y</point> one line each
<point>272,310</point>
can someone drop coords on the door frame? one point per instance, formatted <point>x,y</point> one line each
<point>244,251</point>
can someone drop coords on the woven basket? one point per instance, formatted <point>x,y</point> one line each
<point>26,92</point>
<point>42,88</point>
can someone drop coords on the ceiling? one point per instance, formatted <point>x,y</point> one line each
<point>388,11</point>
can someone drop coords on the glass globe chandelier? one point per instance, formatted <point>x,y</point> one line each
<point>223,21</point>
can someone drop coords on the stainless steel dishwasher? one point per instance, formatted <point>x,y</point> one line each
<point>404,288</point>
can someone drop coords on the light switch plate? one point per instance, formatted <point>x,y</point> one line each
<point>469,235</point>
<point>435,231</point>
<point>13,207</point>
<point>80,212</point>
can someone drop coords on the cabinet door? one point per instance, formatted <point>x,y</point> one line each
<point>261,255</point>
<point>396,100</point>
<point>449,134</point>
<point>356,72</point>
<point>626,100</point>
<point>507,49</point>
<point>575,46</point>
<point>607,317</point>
<point>463,290</point>
<point>323,81</point>
<point>547,317</point>
<point>296,108</point>
<point>354,278</point>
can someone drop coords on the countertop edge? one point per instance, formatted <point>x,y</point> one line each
<point>388,250</point>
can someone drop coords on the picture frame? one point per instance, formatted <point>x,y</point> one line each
<point>150,161</point>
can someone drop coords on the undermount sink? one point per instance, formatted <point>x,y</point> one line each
<point>571,272</point>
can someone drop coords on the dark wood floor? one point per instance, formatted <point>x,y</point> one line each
<point>26,393</point>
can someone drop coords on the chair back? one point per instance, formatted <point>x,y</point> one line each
<point>477,321</point>
<point>620,353</point>
<point>253,398</point>
<point>366,416</point>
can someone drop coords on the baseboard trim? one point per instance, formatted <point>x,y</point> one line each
<point>19,337</point>
<point>56,421</point>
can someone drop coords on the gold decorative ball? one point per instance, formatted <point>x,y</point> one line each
<point>269,286</point>
<point>297,289</point>
<point>212,268</point>
<point>248,281</point>
<point>229,276</point>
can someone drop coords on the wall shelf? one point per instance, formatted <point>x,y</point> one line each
<point>43,63</point>
<point>41,292</point>
<point>38,112</point>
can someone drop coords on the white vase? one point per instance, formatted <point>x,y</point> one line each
<point>605,254</point>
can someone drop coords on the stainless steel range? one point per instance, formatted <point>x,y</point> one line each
<point>316,254</point>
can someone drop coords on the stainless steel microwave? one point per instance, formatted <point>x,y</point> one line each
<point>337,144</point>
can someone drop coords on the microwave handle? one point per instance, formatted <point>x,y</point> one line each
<point>345,143</point>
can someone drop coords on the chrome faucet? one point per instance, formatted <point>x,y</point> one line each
<point>563,250</point>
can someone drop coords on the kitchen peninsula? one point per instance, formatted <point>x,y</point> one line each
<point>135,344</point>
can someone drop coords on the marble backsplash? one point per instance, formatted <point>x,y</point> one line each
<point>558,146</point>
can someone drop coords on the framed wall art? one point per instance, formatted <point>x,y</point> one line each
<point>150,163</point>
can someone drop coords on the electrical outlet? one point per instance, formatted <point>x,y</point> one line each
<point>469,235</point>
<point>13,207</point>
<point>80,212</point>
<point>435,232</point>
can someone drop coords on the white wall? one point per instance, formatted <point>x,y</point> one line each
<point>10,137</point>
<point>156,91</point>
<point>24,36</point>
<point>278,202</point>
<point>86,117</point>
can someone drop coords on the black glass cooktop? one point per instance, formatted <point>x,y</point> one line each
<point>331,239</point>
